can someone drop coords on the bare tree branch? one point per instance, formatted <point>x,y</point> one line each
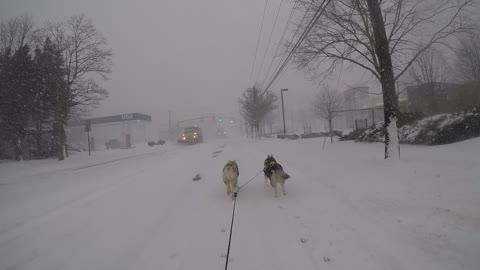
<point>16,33</point>
<point>326,105</point>
<point>86,55</point>
<point>344,33</point>
<point>255,107</point>
<point>468,57</point>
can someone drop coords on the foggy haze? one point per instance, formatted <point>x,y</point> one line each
<point>191,57</point>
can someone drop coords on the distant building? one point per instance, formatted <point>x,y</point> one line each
<point>356,97</point>
<point>432,98</point>
<point>362,109</point>
<point>126,128</point>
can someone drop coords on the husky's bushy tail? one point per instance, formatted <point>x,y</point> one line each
<point>283,174</point>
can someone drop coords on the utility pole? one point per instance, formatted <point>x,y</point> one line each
<point>144,131</point>
<point>293,129</point>
<point>283,110</point>
<point>87,130</point>
<point>170,125</point>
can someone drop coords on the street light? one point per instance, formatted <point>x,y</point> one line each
<point>283,110</point>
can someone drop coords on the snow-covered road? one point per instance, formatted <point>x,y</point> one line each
<point>346,208</point>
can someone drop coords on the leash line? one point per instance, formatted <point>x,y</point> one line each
<point>235,194</point>
<point>249,180</point>
<point>231,230</point>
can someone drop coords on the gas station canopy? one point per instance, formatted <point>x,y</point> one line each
<point>115,118</point>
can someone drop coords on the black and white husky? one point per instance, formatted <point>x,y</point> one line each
<point>274,172</point>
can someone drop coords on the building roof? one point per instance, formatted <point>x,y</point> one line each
<point>113,119</point>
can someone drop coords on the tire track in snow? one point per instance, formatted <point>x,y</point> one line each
<point>66,233</point>
<point>11,234</point>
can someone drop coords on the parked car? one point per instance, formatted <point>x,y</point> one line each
<point>73,147</point>
<point>113,144</point>
<point>159,142</point>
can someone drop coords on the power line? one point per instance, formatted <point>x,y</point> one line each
<point>269,39</point>
<point>280,42</point>
<point>295,34</point>
<point>309,27</point>
<point>258,42</point>
<point>293,37</point>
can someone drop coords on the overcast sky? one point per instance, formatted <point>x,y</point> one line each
<point>190,56</point>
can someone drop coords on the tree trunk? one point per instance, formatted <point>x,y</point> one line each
<point>387,79</point>
<point>60,139</point>
<point>17,148</point>
<point>330,129</point>
<point>433,102</point>
<point>39,153</point>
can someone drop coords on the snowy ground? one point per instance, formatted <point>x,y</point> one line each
<point>346,208</point>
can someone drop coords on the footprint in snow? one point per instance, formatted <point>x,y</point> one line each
<point>223,256</point>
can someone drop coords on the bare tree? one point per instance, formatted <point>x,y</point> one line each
<point>326,104</point>
<point>429,71</point>
<point>381,37</point>
<point>87,58</point>
<point>270,120</point>
<point>468,70</point>
<point>468,57</point>
<point>254,106</point>
<point>16,33</point>
<point>429,67</point>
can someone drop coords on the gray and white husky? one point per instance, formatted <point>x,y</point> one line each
<point>274,172</point>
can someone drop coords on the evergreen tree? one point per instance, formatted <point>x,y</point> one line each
<point>17,90</point>
<point>53,98</point>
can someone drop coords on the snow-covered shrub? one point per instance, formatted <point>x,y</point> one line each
<point>459,128</point>
<point>351,136</point>
<point>432,130</point>
<point>373,134</point>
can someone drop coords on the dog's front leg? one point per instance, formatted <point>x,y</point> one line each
<point>283,189</point>
<point>228,189</point>
<point>274,185</point>
<point>233,188</point>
